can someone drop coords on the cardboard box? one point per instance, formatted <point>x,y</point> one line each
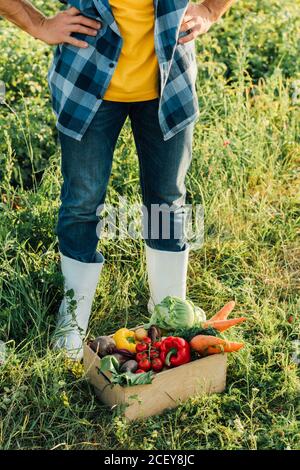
<point>167,390</point>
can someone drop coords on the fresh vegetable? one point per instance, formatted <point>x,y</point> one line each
<point>144,364</point>
<point>224,312</point>
<point>139,371</point>
<point>147,340</point>
<point>129,379</point>
<point>199,315</point>
<point>120,358</point>
<point>140,334</point>
<point>154,353</point>
<point>125,339</point>
<point>157,364</point>
<point>129,366</point>
<point>189,333</point>
<point>141,355</point>
<point>222,325</point>
<point>174,312</point>
<point>103,345</point>
<point>142,347</point>
<point>227,346</point>
<point>206,345</point>
<point>110,364</point>
<point>175,351</point>
<point>157,344</point>
<point>154,333</point>
<point>125,353</point>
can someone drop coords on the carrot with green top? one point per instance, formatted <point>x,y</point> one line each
<point>207,345</point>
<point>224,312</point>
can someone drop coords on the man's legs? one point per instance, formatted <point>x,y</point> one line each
<point>86,167</point>
<point>163,168</point>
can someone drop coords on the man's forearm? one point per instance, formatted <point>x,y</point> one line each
<point>23,14</point>
<point>217,8</point>
<point>52,30</point>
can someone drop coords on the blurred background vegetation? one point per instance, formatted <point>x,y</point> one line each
<point>256,39</point>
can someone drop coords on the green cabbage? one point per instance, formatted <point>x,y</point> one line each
<point>174,313</point>
<point>199,315</point>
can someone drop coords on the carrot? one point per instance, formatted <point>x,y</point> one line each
<point>206,345</point>
<point>201,342</point>
<point>224,312</point>
<point>230,346</point>
<point>222,325</point>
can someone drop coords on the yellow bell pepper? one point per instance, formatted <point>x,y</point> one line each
<point>125,339</point>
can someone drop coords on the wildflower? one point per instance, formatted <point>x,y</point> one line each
<point>75,367</point>
<point>65,399</point>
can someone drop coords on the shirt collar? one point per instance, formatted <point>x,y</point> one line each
<point>105,11</point>
<point>104,8</point>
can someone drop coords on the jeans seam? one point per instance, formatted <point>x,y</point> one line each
<point>143,184</point>
<point>140,159</point>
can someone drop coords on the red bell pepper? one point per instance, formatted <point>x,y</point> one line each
<point>175,351</point>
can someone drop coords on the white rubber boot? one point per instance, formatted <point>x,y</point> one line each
<point>167,273</point>
<point>80,282</point>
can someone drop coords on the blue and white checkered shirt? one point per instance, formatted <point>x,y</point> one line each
<point>79,77</point>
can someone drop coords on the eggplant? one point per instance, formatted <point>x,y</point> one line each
<point>154,333</point>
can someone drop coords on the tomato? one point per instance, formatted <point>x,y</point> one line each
<point>141,355</point>
<point>141,347</point>
<point>147,340</point>
<point>157,364</point>
<point>145,364</point>
<point>154,353</point>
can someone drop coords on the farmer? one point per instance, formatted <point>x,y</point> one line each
<point>119,58</point>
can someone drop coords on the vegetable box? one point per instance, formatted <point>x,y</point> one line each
<point>168,388</point>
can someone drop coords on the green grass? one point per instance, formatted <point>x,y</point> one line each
<point>248,70</point>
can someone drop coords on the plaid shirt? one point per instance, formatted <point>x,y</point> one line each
<point>79,77</point>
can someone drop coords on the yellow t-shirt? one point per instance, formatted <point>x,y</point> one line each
<point>135,77</point>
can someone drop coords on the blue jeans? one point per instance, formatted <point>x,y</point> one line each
<point>86,168</point>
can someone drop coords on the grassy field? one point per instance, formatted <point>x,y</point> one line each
<point>246,174</point>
